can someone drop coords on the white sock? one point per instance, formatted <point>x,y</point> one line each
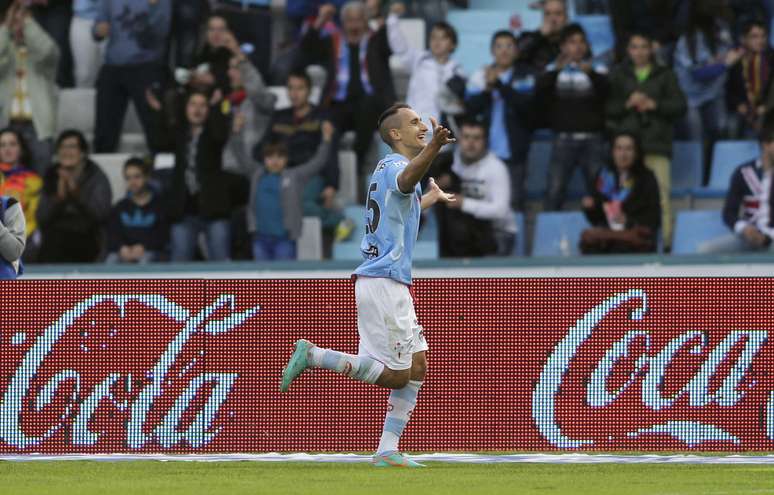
<point>362,368</point>
<point>400,405</point>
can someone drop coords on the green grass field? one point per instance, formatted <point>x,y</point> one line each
<point>162,478</point>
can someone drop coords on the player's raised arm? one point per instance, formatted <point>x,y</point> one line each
<point>418,166</point>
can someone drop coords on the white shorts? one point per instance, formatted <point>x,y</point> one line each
<point>386,321</point>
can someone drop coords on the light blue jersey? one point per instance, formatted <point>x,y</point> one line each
<point>392,223</point>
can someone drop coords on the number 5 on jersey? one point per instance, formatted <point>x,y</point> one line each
<point>373,222</point>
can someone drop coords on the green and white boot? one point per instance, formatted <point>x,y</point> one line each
<point>297,364</point>
<point>394,459</point>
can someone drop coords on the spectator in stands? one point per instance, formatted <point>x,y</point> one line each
<point>540,48</point>
<point>300,128</point>
<point>251,105</point>
<point>87,52</point>
<point>186,20</point>
<point>199,199</point>
<point>12,238</point>
<point>624,207</point>
<point>274,215</point>
<point>646,100</point>
<point>481,221</point>
<point>18,181</point>
<point>251,23</point>
<point>572,94</point>
<point>74,205</point>
<point>502,95</point>
<point>359,85</point>
<point>211,64</point>
<point>136,33</point>
<point>747,208</point>
<point>702,57</point>
<point>28,93</point>
<point>54,17</point>
<point>433,72</point>
<point>137,230</point>
<point>748,88</point>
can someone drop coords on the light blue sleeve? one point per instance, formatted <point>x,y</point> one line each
<point>391,172</point>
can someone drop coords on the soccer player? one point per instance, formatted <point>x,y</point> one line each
<point>391,351</point>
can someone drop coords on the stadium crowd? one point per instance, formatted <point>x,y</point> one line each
<point>241,174</point>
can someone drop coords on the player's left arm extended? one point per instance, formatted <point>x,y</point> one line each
<point>435,195</point>
<point>417,168</point>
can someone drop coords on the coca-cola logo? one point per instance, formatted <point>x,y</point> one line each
<point>650,372</point>
<point>79,410</point>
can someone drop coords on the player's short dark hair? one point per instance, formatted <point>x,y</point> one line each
<point>571,30</point>
<point>448,31</point>
<point>503,33</point>
<point>134,161</point>
<point>274,147</point>
<point>300,74</point>
<point>73,133</point>
<point>384,130</point>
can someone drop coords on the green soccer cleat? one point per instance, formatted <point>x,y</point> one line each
<point>395,459</point>
<point>297,364</point>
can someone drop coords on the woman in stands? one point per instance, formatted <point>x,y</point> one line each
<point>624,209</point>
<point>18,181</point>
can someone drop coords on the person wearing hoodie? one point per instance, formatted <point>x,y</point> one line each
<point>274,214</point>
<point>75,204</point>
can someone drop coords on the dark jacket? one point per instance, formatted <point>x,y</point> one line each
<point>73,228</point>
<point>213,201</point>
<point>742,205</point>
<point>321,49</point>
<point>302,138</point>
<point>573,108</point>
<point>518,100</point>
<point>132,224</point>
<point>84,213</point>
<point>642,207</point>
<point>736,85</point>
<point>655,128</point>
<point>537,50</point>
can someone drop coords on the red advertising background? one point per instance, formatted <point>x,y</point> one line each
<point>111,378</point>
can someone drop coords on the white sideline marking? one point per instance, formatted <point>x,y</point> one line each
<point>440,457</point>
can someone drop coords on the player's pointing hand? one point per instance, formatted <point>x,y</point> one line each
<point>441,135</point>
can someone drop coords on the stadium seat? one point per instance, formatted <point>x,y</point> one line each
<point>284,102</point>
<point>537,174</point>
<point>694,227</point>
<point>558,233</point>
<point>113,166</point>
<point>520,247</point>
<point>473,51</point>
<point>310,241</point>
<point>726,156</point>
<point>686,168</point>
<point>599,31</point>
<point>347,177</point>
<point>76,109</point>
<point>484,22</point>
